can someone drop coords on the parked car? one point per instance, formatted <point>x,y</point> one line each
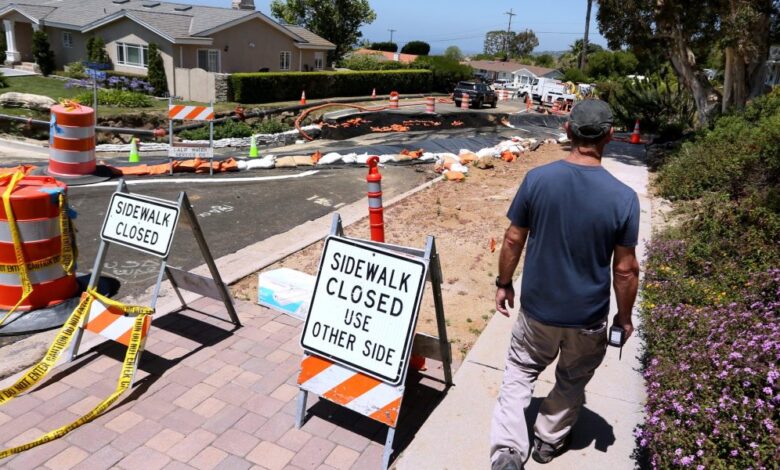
<point>500,83</point>
<point>479,94</point>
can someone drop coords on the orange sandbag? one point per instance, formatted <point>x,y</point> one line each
<point>135,170</point>
<point>507,156</point>
<point>454,176</point>
<point>467,157</point>
<point>315,157</point>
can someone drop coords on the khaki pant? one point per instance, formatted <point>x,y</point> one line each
<point>534,346</point>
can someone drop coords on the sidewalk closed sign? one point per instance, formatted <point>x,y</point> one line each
<point>145,224</point>
<point>364,308</point>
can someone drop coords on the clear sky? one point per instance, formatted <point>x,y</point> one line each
<point>442,23</point>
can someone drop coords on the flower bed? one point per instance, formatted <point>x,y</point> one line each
<point>711,303</point>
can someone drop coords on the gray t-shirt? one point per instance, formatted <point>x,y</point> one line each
<point>576,215</point>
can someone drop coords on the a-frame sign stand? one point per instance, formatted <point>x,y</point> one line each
<point>212,287</point>
<point>328,380</point>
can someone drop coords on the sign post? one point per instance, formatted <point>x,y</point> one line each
<point>191,113</point>
<point>148,225</point>
<point>359,333</point>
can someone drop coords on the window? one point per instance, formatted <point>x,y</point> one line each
<point>319,60</point>
<point>285,57</point>
<point>134,55</point>
<point>208,59</point>
<point>67,39</point>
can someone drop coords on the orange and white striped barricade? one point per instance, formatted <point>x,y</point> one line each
<point>430,105</point>
<point>147,225</point>
<point>180,112</point>
<point>359,334</point>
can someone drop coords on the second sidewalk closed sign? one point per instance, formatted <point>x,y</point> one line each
<point>364,308</point>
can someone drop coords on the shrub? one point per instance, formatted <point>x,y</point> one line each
<point>660,102</point>
<point>232,129</point>
<point>384,46</point>
<point>447,72</point>
<point>3,81</point>
<point>271,126</point>
<point>416,48</point>
<point>738,156</point>
<point>271,87</point>
<point>371,62</point>
<point>75,70</point>
<point>156,72</point>
<point>118,98</point>
<point>42,53</point>
<point>96,50</point>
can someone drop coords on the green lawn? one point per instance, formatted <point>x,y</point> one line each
<point>40,86</point>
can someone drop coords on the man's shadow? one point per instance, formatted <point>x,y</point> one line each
<point>589,427</point>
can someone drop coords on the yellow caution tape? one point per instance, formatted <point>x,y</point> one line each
<point>23,274</point>
<point>65,335</point>
<point>67,247</point>
<point>31,266</point>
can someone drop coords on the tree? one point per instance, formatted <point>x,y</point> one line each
<point>156,71</point>
<point>545,60</point>
<point>453,53</point>
<point>96,50</point>
<point>385,46</point>
<point>416,48</point>
<point>686,37</point>
<point>510,44</point>
<point>338,21</point>
<point>607,64</point>
<point>42,53</point>
<point>524,43</point>
<point>584,58</point>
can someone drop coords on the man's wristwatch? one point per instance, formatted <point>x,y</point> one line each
<point>508,285</point>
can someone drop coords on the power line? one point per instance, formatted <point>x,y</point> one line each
<point>508,31</point>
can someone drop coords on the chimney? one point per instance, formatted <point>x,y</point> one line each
<point>244,5</point>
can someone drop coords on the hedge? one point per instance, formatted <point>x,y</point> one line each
<point>287,86</point>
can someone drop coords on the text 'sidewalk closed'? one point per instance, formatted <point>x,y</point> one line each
<point>364,308</point>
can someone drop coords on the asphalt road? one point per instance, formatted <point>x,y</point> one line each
<point>231,212</point>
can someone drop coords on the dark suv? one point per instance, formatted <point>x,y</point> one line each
<point>479,94</point>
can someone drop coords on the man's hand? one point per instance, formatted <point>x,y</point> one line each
<point>624,321</point>
<point>505,297</point>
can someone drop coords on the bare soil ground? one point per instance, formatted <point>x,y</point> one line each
<point>463,217</point>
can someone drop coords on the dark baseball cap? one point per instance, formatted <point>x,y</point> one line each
<point>590,119</point>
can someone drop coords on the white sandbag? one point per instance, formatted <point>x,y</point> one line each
<point>488,152</point>
<point>386,158</point>
<point>362,158</point>
<point>349,158</point>
<point>460,168</point>
<point>428,156</point>
<point>241,165</point>
<point>329,158</point>
<point>266,162</point>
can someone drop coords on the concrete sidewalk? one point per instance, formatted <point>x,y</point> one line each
<point>603,435</point>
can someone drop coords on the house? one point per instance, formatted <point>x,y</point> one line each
<point>384,55</point>
<point>224,40</point>
<point>514,72</point>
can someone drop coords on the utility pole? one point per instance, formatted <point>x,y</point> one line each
<point>391,33</point>
<point>584,56</point>
<point>508,32</point>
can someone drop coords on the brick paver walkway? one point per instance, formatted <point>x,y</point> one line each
<point>207,396</point>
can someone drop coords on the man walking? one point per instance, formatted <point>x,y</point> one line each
<point>579,221</point>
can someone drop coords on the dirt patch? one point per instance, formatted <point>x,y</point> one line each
<point>463,217</point>
<point>354,125</point>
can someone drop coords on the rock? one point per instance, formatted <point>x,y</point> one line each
<point>26,100</point>
<point>483,163</point>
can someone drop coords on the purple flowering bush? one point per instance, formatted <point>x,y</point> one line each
<point>711,314</point>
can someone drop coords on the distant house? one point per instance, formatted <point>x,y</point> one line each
<point>227,40</point>
<point>389,56</point>
<point>515,72</point>
<point>773,66</point>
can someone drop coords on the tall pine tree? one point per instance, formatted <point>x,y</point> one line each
<point>42,53</point>
<point>156,71</point>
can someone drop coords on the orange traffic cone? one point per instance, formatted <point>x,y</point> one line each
<point>373,93</point>
<point>303,97</point>
<point>635,137</point>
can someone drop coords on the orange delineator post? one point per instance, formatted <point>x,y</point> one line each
<point>430,104</point>
<point>375,210</point>
<point>465,101</point>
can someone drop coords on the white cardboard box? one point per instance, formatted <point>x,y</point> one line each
<point>286,290</point>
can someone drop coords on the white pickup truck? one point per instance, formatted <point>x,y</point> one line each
<point>547,91</point>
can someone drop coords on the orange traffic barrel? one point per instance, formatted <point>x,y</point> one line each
<point>49,254</point>
<point>393,100</point>
<point>72,141</point>
<point>430,104</point>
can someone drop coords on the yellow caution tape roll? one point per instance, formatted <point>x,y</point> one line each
<point>65,335</point>
<point>23,274</point>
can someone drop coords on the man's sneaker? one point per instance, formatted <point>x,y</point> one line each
<point>507,460</point>
<point>543,452</point>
